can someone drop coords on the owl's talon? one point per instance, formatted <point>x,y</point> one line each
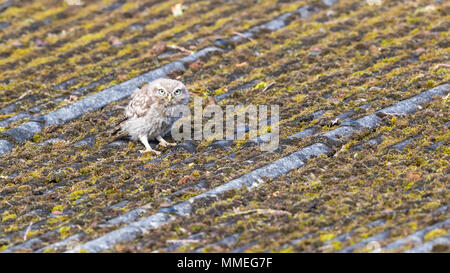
<point>164,143</point>
<point>144,141</point>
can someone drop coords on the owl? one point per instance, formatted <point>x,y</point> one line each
<point>153,109</point>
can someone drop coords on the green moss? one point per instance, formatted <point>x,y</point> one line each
<point>336,245</point>
<point>57,220</point>
<point>57,208</point>
<point>287,250</point>
<point>260,85</point>
<point>77,194</point>
<point>430,84</point>
<point>347,67</point>
<point>7,216</point>
<point>197,227</point>
<point>11,228</point>
<point>49,250</point>
<point>219,91</point>
<point>196,173</point>
<point>64,232</point>
<point>436,233</point>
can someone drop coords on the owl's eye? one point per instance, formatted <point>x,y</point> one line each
<point>177,92</point>
<point>161,91</point>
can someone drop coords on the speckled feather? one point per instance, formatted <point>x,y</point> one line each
<point>152,113</point>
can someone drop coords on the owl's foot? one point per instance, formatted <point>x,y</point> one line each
<point>144,141</point>
<point>164,143</point>
<point>150,150</point>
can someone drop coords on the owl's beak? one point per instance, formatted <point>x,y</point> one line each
<point>169,98</point>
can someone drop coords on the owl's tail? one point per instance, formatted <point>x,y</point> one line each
<point>116,133</point>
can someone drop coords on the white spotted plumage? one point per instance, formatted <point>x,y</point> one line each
<point>153,109</point>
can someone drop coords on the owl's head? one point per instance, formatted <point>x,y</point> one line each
<point>168,92</point>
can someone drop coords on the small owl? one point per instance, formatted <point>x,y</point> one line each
<point>152,111</point>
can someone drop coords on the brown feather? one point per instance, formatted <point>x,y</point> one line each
<point>140,102</point>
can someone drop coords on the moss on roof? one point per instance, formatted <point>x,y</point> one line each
<point>341,63</point>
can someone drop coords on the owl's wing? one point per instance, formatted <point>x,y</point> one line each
<point>139,104</point>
